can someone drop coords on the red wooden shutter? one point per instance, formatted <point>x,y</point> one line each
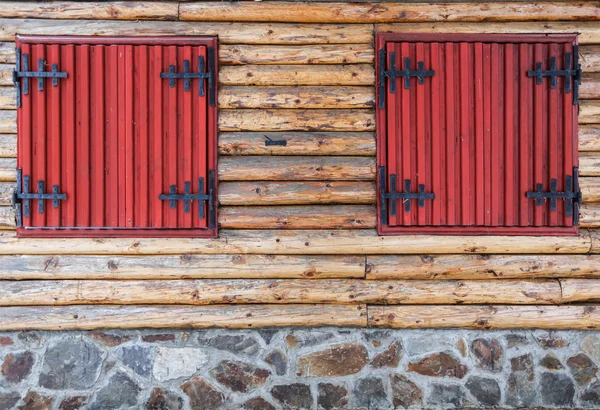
<point>469,128</point>
<point>116,139</point>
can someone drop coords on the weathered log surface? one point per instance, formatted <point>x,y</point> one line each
<point>94,10</point>
<point>8,122</point>
<point>580,290</point>
<point>288,168</point>
<point>8,169</point>
<point>295,97</point>
<point>589,137</point>
<point>226,316</point>
<point>590,86</point>
<point>8,99</point>
<point>6,191</point>
<point>272,75</point>
<point>465,267</point>
<point>7,218</point>
<point>589,58</point>
<point>7,53</point>
<point>8,145</point>
<point>279,291</point>
<point>301,242</point>
<point>589,164</point>
<point>486,317</point>
<point>6,74</point>
<point>294,193</point>
<point>589,216</point>
<point>296,143</point>
<point>590,189</point>
<point>229,33</point>
<point>240,54</point>
<point>589,112</point>
<point>341,12</point>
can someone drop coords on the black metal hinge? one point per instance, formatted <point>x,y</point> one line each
<point>393,195</point>
<point>568,72</point>
<point>187,197</point>
<point>20,71</point>
<point>572,195</point>
<point>22,199</point>
<point>187,76</point>
<point>420,73</point>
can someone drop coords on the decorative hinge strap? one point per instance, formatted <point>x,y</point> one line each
<point>393,195</point>
<point>407,73</point>
<point>22,199</point>
<point>187,76</point>
<point>187,197</point>
<point>568,72</point>
<point>572,195</point>
<point>20,71</point>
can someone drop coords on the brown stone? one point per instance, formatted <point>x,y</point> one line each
<point>258,403</point>
<point>6,341</point>
<point>72,403</point>
<point>513,340</point>
<point>161,399</point>
<point>439,365</point>
<point>461,345</point>
<point>278,361</point>
<point>390,357</point>
<point>582,368</point>
<point>202,395</point>
<point>550,362</point>
<point>17,366</point>
<point>551,342</point>
<point>338,360</point>
<point>108,339</point>
<point>35,401</point>
<point>238,376</point>
<point>522,363</point>
<point>294,396</point>
<point>405,393</point>
<point>331,396</point>
<point>488,354</point>
<point>163,337</point>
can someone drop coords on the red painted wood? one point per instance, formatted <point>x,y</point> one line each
<point>97,100</point>
<point>112,138</point>
<point>53,144</point>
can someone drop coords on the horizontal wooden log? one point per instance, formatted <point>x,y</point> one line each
<point>295,97</point>
<point>589,164</point>
<point>6,191</point>
<point>270,75</point>
<point>590,189</point>
<point>192,317</point>
<point>8,122</point>
<point>287,168</point>
<point>278,291</point>
<point>7,53</point>
<point>584,317</point>
<point>589,112</point>
<point>6,74</point>
<point>8,145</point>
<point>589,137</point>
<point>341,12</point>
<point>183,266</point>
<point>240,54</point>
<point>293,193</point>
<point>229,33</point>
<point>589,32</point>
<point>580,290</point>
<point>296,143</point>
<point>8,99</point>
<point>301,242</point>
<point>8,169</point>
<point>288,217</point>
<point>589,58</point>
<point>7,218</point>
<point>590,86</point>
<point>466,267</point>
<point>296,120</point>
<point>589,216</point>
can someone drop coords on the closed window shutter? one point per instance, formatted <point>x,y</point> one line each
<point>470,129</point>
<point>132,152</point>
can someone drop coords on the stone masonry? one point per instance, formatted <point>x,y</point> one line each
<point>319,368</point>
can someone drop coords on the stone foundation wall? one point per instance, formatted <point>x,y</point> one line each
<point>321,368</point>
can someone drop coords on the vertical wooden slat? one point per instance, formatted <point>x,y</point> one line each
<point>53,151</point>
<point>487,132</point>
<point>553,133</point>
<point>465,154</point>
<point>393,127</point>
<point>200,140</point>
<point>406,150</point>
<point>40,104</point>
<point>185,137</point>
<point>538,134</point>
<point>450,137</point>
<point>156,115</point>
<point>421,128</point>
<point>170,106</point>
<point>509,142</point>
<point>112,137</point>
<point>97,98</point>
<point>568,136</point>
<point>82,90</point>
<point>68,144</point>
<point>212,136</point>
<point>25,157</point>
<point>495,134</point>
<point>128,152</point>
<point>435,134</point>
<point>524,138</point>
<point>479,142</point>
<point>142,165</point>
<point>122,129</point>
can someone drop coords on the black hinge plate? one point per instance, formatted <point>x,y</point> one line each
<point>572,195</point>
<point>20,72</point>
<point>22,199</point>
<point>569,73</point>
<point>393,195</point>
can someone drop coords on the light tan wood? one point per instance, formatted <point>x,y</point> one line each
<point>107,10</point>
<point>486,317</point>
<point>8,122</point>
<point>294,193</point>
<point>287,168</point>
<point>589,58</point>
<point>580,290</point>
<point>271,75</point>
<point>589,31</point>
<point>7,53</point>
<point>590,189</point>
<point>7,218</point>
<point>193,317</point>
<point>589,164</point>
<point>295,97</point>
<point>465,267</point>
<point>342,12</point>
<point>8,169</point>
<point>589,112</point>
<point>239,54</point>
<point>8,99</point>
<point>296,120</point>
<point>6,190</point>
<point>229,33</point>
<point>297,143</point>
<point>595,237</point>
<point>278,291</point>
<point>183,266</point>
<point>589,137</point>
<point>301,242</point>
<point>295,217</point>
<point>8,145</point>
<point>6,74</point>
<point>590,86</point>
<point>589,216</point>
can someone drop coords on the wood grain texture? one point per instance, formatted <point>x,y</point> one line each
<point>7,53</point>
<point>486,317</point>
<point>6,191</point>
<point>342,12</point>
<point>590,189</point>
<point>229,33</point>
<point>294,193</point>
<point>7,218</point>
<point>589,58</point>
<point>8,145</point>
<point>8,122</point>
<point>182,266</point>
<point>589,137</point>
<point>270,75</point>
<point>589,164</point>
<point>278,291</point>
<point>8,169</point>
<point>590,86</point>
<point>589,216</point>
<point>240,54</point>
<point>8,98</point>
<point>589,112</point>
<point>297,143</point>
<point>301,242</point>
<point>288,168</point>
<point>296,120</point>
<point>580,290</point>
<point>6,74</point>
<point>94,10</point>
<point>467,267</point>
<point>193,317</point>
<point>294,97</point>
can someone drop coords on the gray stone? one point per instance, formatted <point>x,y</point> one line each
<point>522,363</point>
<point>237,344</point>
<point>556,389</point>
<point>267,334</point>
<point>370,392</point>
<point>174,363</point>
<point>17,367</point>
<point>405,393</point>
<point>551,362</point>
<point>591,395</point>
<point>582,368</point>
<point>331,396</point>
<point>444,394</point>
<point>516,340</point>
<point>278,361</point>
<point>119,391</point>
<point>238,376</point>
<point>304,338</point>
<point>137,358</point>
<point>488,354</point>
<point>202,395</point>
<point>8,400</point>
<point>521,390</point>
<point>376,337</point>
<point>293,396</point>
<point>258,403</point>
<point>390,357</point>
<point>427,343</point>
<point>70,364</point>
<point>161,399</point>
<point>485,390</point>
<point>591,345</point>
<point>31,338</point>
<point>551,341</point>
